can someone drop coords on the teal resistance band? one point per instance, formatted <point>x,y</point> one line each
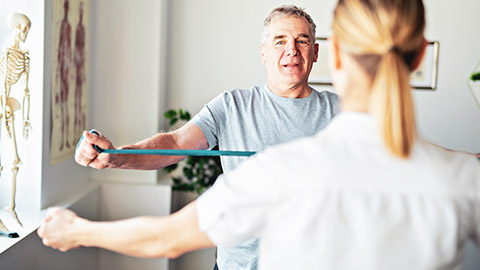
<point>171,152</point>
<point>175,152</point>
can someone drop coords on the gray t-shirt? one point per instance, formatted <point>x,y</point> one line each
<point>251,120</point>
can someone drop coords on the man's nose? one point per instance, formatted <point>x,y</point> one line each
<point>291,48</point>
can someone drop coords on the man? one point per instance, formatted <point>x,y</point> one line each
<point>283,109</point>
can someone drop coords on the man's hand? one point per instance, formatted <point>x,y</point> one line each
<point>86,155</point>
<point>56,229</point>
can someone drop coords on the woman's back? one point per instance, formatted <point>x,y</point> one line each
<point>372,210</point>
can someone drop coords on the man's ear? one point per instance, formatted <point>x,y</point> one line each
<point>419,56</point>
<point>315,51</point>
<point>264,59</point>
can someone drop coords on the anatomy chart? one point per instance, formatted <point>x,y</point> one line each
<point>69,76</point>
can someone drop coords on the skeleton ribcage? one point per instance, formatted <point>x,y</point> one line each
<point>13,70</point>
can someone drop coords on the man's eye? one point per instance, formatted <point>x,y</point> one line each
<point>302,42</point>
<point>280,43</point>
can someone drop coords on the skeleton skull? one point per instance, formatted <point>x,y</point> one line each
<point>20,24</point>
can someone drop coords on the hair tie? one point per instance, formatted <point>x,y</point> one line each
<point>395,49</point>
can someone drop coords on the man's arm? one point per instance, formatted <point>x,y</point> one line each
<point>188,136</point>
<point>146,237</point>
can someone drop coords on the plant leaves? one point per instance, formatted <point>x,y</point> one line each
<point>199,173</point>
<point>173,121</point>
<point>170,168</point>
<point>170,114</point>
<point>475,76</point>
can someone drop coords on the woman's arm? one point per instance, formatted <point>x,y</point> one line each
<point>146,237</point>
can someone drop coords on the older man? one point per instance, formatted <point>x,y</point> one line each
<point>281,110</point>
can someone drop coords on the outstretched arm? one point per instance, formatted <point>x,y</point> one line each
<point>146,237</point>
<point>188,136</point>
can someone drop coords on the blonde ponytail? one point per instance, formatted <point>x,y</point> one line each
<point>392,105</point>
<point>385,36</point>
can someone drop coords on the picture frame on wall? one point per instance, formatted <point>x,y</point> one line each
<point>320,73</point>
<point>424,77</point>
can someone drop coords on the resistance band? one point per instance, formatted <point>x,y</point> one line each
<point>170,152</point>
<point>174,152</point>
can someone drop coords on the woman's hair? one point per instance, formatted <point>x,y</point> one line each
<point>384,36</point>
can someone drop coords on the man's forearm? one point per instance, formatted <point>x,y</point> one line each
<point>147,162</point>
<point>188,136</point>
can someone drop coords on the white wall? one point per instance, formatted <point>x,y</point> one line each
<point>120,201</point>
<point>128,88</point>
<point>64,177</point>
<point>449,116</point>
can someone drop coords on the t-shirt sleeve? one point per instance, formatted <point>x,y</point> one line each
<point>236,208</point>
<point>334,103</point>
<point>210,118</point>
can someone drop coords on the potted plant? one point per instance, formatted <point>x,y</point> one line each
<point>475,77</point>
<point>474,84</point>
<point>193,174</point>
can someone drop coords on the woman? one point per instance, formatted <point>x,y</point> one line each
<point>365,193</point>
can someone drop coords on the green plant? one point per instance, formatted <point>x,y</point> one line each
<point>173,116</point>
<point>198,173</point>
<point>475,76</point>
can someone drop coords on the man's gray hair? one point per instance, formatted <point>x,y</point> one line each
<point>287,11</point>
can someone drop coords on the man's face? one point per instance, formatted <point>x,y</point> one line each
<point>288,52</point>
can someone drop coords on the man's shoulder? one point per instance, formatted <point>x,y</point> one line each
<point>324,93</point>
<point>237,94</point>
<point>327,96</point>
<point>234,97</point>
<point>244,92</point>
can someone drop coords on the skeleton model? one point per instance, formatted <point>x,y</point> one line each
<point>14,68</point>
